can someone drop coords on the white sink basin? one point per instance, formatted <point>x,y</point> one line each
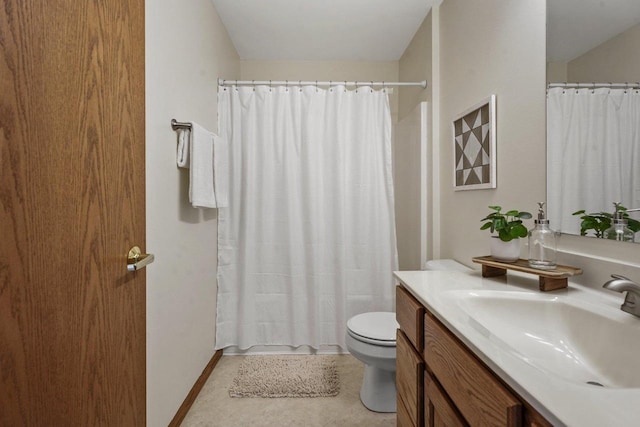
<point>582,344</point>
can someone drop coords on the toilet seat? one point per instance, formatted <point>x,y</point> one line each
<point>377,328</point>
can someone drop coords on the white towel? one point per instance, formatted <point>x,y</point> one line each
<point>201,191</point>
<point>183,148</point>
<point>205,155</point>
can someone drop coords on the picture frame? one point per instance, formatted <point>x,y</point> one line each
<point>474,146</point>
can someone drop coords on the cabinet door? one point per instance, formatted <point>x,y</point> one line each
<point>409,371</point>
<point>439,409</point>
<point>533,419</point>
<point>403,417</point>
<point>478,395</point>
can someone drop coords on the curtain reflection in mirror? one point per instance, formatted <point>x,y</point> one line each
<point>593,152</point>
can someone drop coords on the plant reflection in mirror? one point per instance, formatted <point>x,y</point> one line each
<point>601,221</point>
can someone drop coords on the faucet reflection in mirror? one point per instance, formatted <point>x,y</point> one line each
<point>593,149</point>
<point>621,228</point>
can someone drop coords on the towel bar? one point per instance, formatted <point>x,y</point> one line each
<point>175,125</point>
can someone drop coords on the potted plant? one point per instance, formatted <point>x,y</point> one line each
<point>505,246</point>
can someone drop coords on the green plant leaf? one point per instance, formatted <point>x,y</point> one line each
<point>633,225</point>
<point>580,212</point>
<point>519,231</point>
<point>490,216</point>
<point>507,225</point>
<point>485,226</point>
<point>505,236</point>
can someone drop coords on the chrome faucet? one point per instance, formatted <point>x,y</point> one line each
<point>632,300</point>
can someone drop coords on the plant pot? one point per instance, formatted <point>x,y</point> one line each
<point>504,251</point>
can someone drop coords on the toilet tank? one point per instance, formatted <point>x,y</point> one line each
<point>445,264</point>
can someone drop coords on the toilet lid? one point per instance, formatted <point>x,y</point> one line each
<point>378,326</point>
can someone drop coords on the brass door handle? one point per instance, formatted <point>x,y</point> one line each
<point>137,260</point>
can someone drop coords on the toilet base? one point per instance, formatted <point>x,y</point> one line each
<point>378,391</point>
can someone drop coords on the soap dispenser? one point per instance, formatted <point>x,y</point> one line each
<point>543,243</point>
<point>619,230</point>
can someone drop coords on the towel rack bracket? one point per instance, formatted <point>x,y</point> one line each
<point>175,125</point>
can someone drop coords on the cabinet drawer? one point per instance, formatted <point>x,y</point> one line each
<point>475,391</point>
<point>438,407</point>
<point>410,316</point>
<point>409,371</point>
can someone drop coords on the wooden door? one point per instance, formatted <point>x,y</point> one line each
<point>72,319</point>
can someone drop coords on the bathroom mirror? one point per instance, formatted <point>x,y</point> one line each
<point>591,42</point>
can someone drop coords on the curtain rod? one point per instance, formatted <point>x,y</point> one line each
<point>223,82</point>
<point>635,85</point>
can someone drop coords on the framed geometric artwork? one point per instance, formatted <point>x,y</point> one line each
<point>474,147</point>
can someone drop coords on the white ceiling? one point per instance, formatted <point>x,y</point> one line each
<point>576,26</point>
<point>380,30</point>
<point>374,30</point>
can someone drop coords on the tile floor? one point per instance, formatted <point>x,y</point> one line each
<point>214,407</point>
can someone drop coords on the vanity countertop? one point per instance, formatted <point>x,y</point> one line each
<point>561,395</point>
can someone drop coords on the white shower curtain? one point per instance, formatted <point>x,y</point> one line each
<point>308,239</point>
<point>593,152</point>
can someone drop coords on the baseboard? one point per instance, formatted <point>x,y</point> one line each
<point>283,349</point>
<point>195,390</point>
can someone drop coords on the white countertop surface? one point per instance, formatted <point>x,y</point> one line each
<point>559,400</point>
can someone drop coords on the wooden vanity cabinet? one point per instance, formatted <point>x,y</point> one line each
<point>409,362</point>
<point>441,382</point>
<point>439,410</point>
<point>477,393</point>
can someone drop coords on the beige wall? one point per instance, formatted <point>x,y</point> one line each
<point>616,60</point>
<point>481,53</point>
<point>415,65</point>
<point>557,72</point>
<point>187,48</point>
<point>325,70</point>
<point>409,159</point>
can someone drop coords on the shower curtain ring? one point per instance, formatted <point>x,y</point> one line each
<point>330,86</point>
<point>316,86</point>
<point>371,86</point>
<point>286,85</point>
<point>253,83</point>
<point>270,86</point>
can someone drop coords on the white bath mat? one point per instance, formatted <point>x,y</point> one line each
<point>286,376</point>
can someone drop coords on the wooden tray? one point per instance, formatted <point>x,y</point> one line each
<point>549,280</point>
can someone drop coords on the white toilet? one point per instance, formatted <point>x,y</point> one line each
<point>371,338</point>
